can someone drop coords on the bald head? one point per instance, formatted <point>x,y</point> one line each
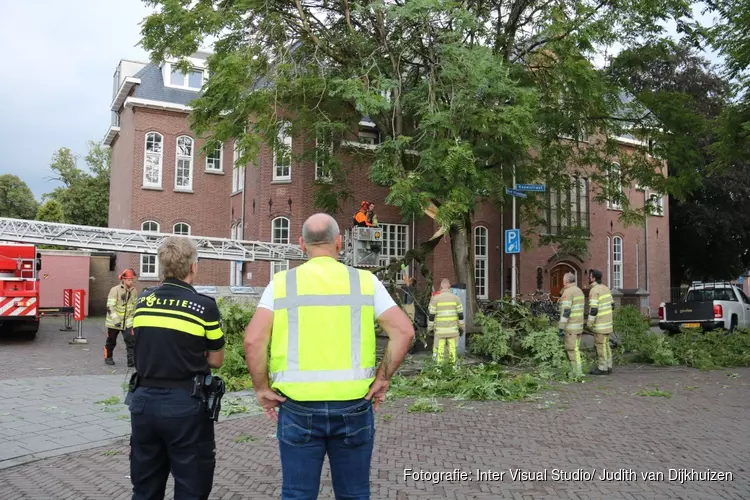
<point>320,229</point>
<point>445,284</point>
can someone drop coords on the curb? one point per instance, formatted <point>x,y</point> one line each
<point>33,457</point>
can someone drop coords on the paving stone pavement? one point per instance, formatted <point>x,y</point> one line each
<point>601,424</point>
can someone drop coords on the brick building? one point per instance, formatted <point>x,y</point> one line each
<point>161,182</point>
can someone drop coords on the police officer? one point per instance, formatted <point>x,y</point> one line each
<point>178,340</point>
<point>571,321</point>
<point>600,322</point>
<point>320,321</point>
<point>120,308</point>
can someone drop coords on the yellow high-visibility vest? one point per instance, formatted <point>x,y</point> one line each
<point>323,339</point>
<point>121,307</point>
<point>600,298</point>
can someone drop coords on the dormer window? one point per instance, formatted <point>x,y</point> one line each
<point>192,80</point>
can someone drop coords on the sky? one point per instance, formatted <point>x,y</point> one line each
<point>57,85</point>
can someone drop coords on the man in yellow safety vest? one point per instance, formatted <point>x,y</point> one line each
<point>320,321</point>
<point>571,321</point>
<point>121,303</point>
<point>600,322</point>
<point>446,317</point>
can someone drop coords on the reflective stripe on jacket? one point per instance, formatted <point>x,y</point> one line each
<point>323,339</point>
<point>600,304</point>
<point>571,309</point>
<point>121,307</point>
<point>446,314</point>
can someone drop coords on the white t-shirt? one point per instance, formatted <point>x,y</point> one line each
<point>383,300</point>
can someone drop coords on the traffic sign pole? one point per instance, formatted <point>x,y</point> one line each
<point>513,262</point>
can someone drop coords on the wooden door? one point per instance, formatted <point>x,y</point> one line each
<point>556,281</point>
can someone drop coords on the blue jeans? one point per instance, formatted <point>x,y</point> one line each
<point>307,430</point>
<point>171,432</point>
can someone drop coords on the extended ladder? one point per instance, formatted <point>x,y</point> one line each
<point>141,242</point>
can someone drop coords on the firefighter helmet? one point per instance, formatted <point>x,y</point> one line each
<point>127,274</point>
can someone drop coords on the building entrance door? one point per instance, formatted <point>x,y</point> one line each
<point>556,279</point>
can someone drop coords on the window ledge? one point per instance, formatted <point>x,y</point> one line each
<point>187,191</point>
<point>235,193</point>
<point>215,172</point>
<point>148,278</point>
<point>281,181</point>
<point>152,188</point>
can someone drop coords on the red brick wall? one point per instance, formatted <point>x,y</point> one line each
<point>206,209</point>
<point>213,208</point>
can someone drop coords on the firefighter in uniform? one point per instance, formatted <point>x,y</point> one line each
<point>600,322</point>
<point>319,319</point>
<point>446,317</point>
<point>571,321</point>
<point>120,308</point>
<point>178,340</point>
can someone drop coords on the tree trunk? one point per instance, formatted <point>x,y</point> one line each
<point>462,249</point>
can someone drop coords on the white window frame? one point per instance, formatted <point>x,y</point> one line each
<point>285,138</point>
<point>657,204</point>
<point>319,168</point>
<point>283,265</point>
<point>609,262</point>
<point>157,155</point>
<point>235,268</point>
<point>615,205</point>
<point>185,78</point>
<point>238,173</point>
<point>189,229</point>
<point>214,164</point>
<point>618,274</point>
<point>190,142</point>
<point>146,259</point>
<point>390,252</point>
<point>480,271</point>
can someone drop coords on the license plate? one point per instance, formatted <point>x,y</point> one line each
<point>691,325</point>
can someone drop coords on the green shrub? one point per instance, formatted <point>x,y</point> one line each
<point>235,318</point>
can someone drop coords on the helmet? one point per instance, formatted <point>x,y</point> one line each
<point>127,274</point>
<point>364,205</point>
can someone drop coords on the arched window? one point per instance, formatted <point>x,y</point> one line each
<point>617,271</point>
<point>235,268</point>
<point>182,229</point>
<point>279,234</point>
<point>238,172</point>
<point>184,164</point>
<point>149,262</point>
<point>480,261</point>
<point>152,161</point>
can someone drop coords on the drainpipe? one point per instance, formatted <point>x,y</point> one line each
<point>645,250</point>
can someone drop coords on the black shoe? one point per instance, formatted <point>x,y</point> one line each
<point>597,371</point>
<point>109,361</point>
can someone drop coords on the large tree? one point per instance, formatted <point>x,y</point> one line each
<point>16,199</point>
<point>83,196</point>
<point>461,92</point>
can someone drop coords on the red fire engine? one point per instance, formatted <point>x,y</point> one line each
<point>19,288</point>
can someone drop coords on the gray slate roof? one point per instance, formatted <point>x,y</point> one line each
<point>152,87</point>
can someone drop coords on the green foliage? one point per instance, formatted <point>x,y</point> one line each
<point>705,351</point>
<point>16,199</point>
<point>235,317</point>
<point>512,335</point>
<point>465,382</point>
<point>458,94</point>
<point>655,393</point>
<point>425,405</point>
<point>83,196</point>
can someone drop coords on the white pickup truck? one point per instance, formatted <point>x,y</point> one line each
<point>708,306</point>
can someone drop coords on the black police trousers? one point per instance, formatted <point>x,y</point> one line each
<point>171,432</point>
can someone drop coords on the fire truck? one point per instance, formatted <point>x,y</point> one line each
<point>19,288</point>
<point>20,262</point>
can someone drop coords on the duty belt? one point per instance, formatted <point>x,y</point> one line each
<point>185,383</point>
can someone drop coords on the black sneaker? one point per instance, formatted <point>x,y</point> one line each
<point>597,371</point>
<point>109,361</point>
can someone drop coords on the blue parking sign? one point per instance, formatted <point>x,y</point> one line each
<point>512,241</point>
